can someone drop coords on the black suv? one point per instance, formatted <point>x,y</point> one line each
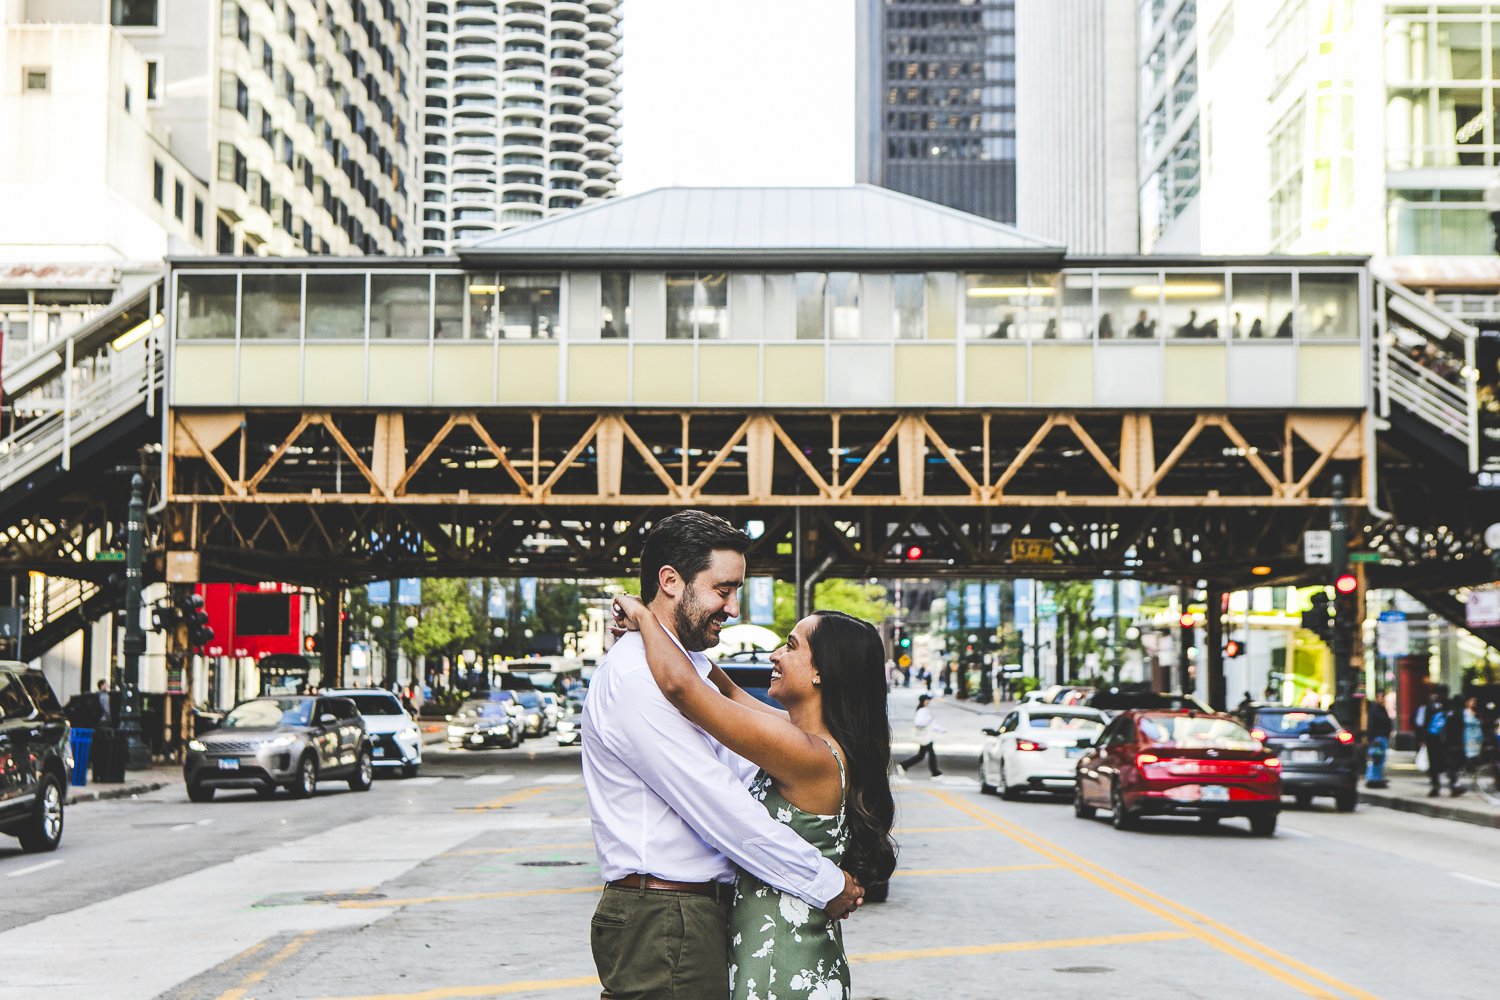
<point>36,758</point>
<point>1318,756</point>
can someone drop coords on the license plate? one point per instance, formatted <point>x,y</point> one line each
<point>380,751</point>
<point>229,764</point>
<point>1074,752</point>
<point>1214,793</point>
<point>476,739</point>
<point>1305,756</point>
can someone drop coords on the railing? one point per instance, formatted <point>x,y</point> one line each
<point>1426,365</point>
<point>134,377</point>
<point>52,597</point>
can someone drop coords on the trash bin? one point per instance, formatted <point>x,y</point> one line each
<point>108,752</point>
<point>82,738</point>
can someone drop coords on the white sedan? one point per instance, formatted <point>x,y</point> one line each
<point>1037,747</point>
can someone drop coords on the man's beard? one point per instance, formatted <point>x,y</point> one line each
<point>694,631</point>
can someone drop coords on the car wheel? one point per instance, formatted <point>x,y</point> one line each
<point>985,788</point>
<point>42,830</point>
<point>364,773</point>
<point>265,791</point>
<point>1124,819</point>
<point>1263,824</point>
<point>306,782</point>
<point>1346,801</point>
<point>1081,809</point>
<point>1008,791</point>
<point>200,793</point>
<point>1304,800</point>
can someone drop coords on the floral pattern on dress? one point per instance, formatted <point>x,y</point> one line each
<point>781,948</point>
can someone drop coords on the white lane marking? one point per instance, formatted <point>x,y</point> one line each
<point>1292,831</point>
<point>1468,878</point>
<point>189,826</point>
<point>557,779</point>
<point>956,779</point>
<point>490,779</point>
<point>430,780</point>
<point>34,868</point>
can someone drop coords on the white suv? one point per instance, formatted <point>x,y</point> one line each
<point>395,738</point>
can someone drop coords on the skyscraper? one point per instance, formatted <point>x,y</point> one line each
<point>522,113</point>
<point>936,101</point>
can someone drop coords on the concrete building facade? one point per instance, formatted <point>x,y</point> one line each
<point>521,113</point>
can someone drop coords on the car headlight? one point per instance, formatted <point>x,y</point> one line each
<point>281,742</point>
<point>411,731</point>
<point>565,726</point>
<point>197,746</point>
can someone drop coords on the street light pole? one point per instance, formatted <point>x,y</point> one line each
<point>134,645</point>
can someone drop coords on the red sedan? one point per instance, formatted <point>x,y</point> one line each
<point>1149,762</point>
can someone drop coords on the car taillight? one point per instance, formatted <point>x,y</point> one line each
<point>1142,759</point>
<point>1345,736</point>
<point>1030,745</point>
<point>1274,762</point>
<point>1259,735</point>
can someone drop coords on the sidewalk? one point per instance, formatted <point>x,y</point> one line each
<point>161,775</point>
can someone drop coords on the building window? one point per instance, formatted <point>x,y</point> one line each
<point>907,306</point>
<point>198,217</point>
<point>135,13</point>
<point>159,183</point>
<point>153,81</point>
<point>614,301</point>
<point>127,97</point>
<point>514,307</point>
<point>696,305</point>
<point>36,79</point>
<point>180,195</point>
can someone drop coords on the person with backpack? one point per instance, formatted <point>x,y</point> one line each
<point>1433,720</point>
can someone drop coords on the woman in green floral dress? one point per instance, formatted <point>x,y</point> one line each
<point>823,772</point>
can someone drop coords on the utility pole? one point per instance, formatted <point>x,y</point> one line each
<point>137,756</point>
<point>1344,601</point>
<point>1214,610</point>
<point>390,636</point>
<point>1184,641</point>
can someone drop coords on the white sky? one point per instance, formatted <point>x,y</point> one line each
<point>737,92</point>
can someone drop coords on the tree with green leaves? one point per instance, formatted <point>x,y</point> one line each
<point>865,601</point>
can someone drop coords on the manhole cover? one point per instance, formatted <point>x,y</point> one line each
<point>1084,968</point>
<point>551,864</point>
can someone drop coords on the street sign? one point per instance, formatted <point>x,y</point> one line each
<point>109,557</point>
<point>1317,547</point>
<point>905,661</point>
<point>1483,610</point>
<point>1392,636</point>
<point>1046,607</point>
<point>1033,551</point>
<point>1364,557</point>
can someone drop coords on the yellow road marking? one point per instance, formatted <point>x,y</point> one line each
<point>1011,946</point>
<point>466,897</point>
<point>903,873</point>
<point>1226,939</point>
<point>291,948</point>
<point>506,800</point>
<point>935,829</point>
<point>524,847</point>
<point>494,989</point>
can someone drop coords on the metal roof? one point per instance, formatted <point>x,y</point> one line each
<point>861,222</point>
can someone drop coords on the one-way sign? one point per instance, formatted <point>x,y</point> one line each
<point>1317,548</point>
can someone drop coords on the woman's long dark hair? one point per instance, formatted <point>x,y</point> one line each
<point>850,658</point>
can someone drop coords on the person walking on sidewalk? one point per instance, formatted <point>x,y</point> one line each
<point>1431,719</point>
<point>1469,733</point>
<point>924,725</point>
<point>1378,729</point>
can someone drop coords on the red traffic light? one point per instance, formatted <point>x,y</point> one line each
<point>914,552</point>
<point>1186,621</point>
<point>310,643</point>
<point>1346,584</point>
<point>1233,648</point>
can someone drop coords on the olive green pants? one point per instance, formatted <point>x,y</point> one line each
<point>651,945</point>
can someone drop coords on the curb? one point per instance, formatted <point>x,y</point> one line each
<point>1435,808</point>
<point>88,794</point>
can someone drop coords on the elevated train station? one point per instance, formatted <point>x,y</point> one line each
<point>857,370</point>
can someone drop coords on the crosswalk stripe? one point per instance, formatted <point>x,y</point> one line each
<point>428,780</point>
<point>490,779</point>
<point>557,779</point>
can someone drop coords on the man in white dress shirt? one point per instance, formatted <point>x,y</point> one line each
<point>672,816</point>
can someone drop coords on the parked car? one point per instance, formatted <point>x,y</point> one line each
<point>36,758</point>
<point>286,742</point>
<point>1112,701</point>
<point>1318,756</point>
<point>484,722</point>
<point>1036,748</point>
<point>1162,763</point>
<point>395,739</point>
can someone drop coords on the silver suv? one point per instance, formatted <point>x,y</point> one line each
<point>288,742</point>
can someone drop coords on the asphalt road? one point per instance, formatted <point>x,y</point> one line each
<point>477,880</point>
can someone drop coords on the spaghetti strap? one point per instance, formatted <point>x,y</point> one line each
<point>843,789</point>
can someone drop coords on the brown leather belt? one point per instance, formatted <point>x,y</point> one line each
<point>650,883</point>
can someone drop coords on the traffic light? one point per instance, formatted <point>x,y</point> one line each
<point>164,617</point>
<point>1318,618</point>
<point>312,643</point>
<point>904,642</point>
<point>1346,584</point>
<point>1186,621</point>
<point>196,620</point>
<point>1346,616</point>
<point>1233,648</point>
<point>913,552</point>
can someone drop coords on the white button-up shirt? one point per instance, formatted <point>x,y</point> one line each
<point>669,800</point>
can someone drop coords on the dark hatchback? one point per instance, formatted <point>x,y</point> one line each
<point>1112,701</point>
<point>1318,756</point>
<point>36,758</point>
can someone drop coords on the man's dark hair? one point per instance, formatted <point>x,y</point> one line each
<point>685,541</point>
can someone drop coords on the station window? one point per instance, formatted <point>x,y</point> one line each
<point>37,79</point>
<point>697,305</point>
<point>614,302</point>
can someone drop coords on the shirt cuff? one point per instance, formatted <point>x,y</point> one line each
<point>828,884</point>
